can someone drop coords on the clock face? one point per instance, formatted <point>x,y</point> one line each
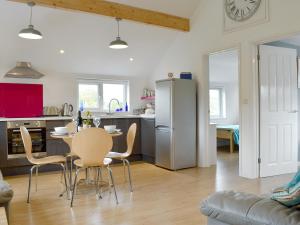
<point>241,10</point>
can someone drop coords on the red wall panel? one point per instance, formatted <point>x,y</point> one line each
<point>21,100</point>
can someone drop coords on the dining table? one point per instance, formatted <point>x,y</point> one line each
<point>68,138</point>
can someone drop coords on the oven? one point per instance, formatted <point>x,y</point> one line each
<point>37,131</point>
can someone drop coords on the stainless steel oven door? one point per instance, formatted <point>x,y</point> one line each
<point>15,143</point>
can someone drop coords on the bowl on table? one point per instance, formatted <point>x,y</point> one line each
<point>110,128</point>
<point>61,130</point>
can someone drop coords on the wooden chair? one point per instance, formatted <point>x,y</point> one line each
<point>71,127</point>
<point>91,146</point>
<point>38,162</point>
<point>122,156</point>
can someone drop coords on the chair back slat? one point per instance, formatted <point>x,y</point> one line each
<point>27,142</point>
<point>91,146</point>
<point>71,127</point>
<point>130,138</point>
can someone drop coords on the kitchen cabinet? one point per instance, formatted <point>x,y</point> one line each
<point>4,161</point>
<point>3,145</point>
<point>56,146</point>
<point>148,139</point>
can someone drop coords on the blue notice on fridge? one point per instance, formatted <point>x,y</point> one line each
<point>186,75</point>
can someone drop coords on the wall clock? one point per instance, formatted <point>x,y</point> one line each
<point>241,10</point>
<point>243,13</point>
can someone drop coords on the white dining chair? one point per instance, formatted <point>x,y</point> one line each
<point>38,162</point>
<point>124,155</point>
<point>72,129</point>
<point>91,146</point>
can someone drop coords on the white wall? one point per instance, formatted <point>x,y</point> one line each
<point>61,88</point>
<point>189,53</point>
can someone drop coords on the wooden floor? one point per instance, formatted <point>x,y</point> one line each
<point>160,197</point>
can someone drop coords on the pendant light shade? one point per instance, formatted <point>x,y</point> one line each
<point>118,43</point>
<point>30,32</point>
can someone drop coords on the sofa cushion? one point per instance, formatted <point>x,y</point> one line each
<point>294,181</point>
<point>290,194</point>
<point>267,211</point>
<point>229,207</point>
<point>271,212</point>
<point>6,193</point>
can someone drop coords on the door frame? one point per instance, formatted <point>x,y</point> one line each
<point>217,51</point>
<point>255,65</point>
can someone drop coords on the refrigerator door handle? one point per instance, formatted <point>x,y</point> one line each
<point>162,126</point>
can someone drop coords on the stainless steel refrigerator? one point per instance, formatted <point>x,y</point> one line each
<point>175,123</point>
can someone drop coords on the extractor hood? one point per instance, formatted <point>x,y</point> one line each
<point>24,70</point>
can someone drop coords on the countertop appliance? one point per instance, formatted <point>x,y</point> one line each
<point>37,131</point>
<point>51,111</point>
<point>67,110</point>
<point>175,124</point>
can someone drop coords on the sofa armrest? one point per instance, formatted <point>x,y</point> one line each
<point>229,207</point>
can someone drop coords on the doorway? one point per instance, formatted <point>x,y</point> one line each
<point>224,108</point>
<point>278,97</point>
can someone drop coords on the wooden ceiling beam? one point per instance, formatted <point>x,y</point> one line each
<point>113,9</point>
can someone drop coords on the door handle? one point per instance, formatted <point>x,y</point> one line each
<point>293,111</point>
<point>161,126</point>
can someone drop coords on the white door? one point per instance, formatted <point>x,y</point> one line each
<point>278,111</point>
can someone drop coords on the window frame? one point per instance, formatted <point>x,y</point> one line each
<point>99,83</point>
<point>222,97</point>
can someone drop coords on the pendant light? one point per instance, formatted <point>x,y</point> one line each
<point>30,32</point>
<point>118,43</point>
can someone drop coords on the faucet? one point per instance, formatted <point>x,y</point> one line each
<point>109,105</point>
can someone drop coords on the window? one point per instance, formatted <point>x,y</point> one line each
<point>217,105</point>
<point>89,96</point>
<point>95,95</point>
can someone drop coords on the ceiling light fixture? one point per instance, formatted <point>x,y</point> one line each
<point>30,32</point>
<point>131,59</point>
<point>118,43</point>
<point>61,51</point>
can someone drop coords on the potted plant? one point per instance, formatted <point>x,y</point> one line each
<point>87,122</point>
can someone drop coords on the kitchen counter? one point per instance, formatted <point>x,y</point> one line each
<point>2,119</point>
<point>114,116</point>
<point>119,116</point>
